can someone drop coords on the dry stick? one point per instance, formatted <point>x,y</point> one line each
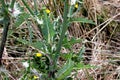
<point>111,19</point>
<point>95,28</point>
<point>101,29</point>
<point>100,25</point>
<point>111,34</point>
<point>3,40</point>
<point>94,3</point>
<point>18,58</point>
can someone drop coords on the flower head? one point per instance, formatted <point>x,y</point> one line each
<point>38,54</point>
<point>47,11</point>
<point>25,64</point>
<point>36,77</point>
<point>76,5</point>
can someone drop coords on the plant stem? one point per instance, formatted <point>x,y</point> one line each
<point>64,29</point>
<point>12,4</point>
<point>35,6</point>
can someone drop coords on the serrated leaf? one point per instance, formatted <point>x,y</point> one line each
<point>48,29</point>
<point>68,43</point>
<point>82,20</point>
<point>37,44</point>
<point>65,70</point>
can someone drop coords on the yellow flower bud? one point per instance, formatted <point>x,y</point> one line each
<point>36,77</point>
<point>38,54</point>
<point>47,11</point>
<point>76,5</point>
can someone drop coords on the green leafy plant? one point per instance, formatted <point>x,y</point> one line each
<point>53,29</point>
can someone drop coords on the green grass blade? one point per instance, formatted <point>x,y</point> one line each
<point>21,18</point>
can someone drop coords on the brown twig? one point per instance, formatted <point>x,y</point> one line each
<point>4,37</point>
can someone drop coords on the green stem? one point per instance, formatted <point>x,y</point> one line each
<point>35,6</point>
<point>27,6</point>
<point>64,29</point>
<point>12,4</point>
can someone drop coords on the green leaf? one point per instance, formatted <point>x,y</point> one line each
<point>82,66</point>
<point>10,32</point>
<point>48,29</point>
<point>74,40</point>
<point>38,45</point>
<point>30,29</point>
<point>65,70</point>
<point>21,18</point>
<point>82,20</point>
<point>70,13</point>
<point>82,50</point>
<point>66,56</point>
<point>68,43</point>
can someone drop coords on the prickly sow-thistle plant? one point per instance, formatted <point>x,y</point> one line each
<point>47,61</point>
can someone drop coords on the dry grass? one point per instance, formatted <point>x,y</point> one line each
<point>102,52</point>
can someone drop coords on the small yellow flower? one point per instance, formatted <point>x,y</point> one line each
<point>47,11</point>
<point>38,54</point>
<point>36,77</point>
<point>76,5</point>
